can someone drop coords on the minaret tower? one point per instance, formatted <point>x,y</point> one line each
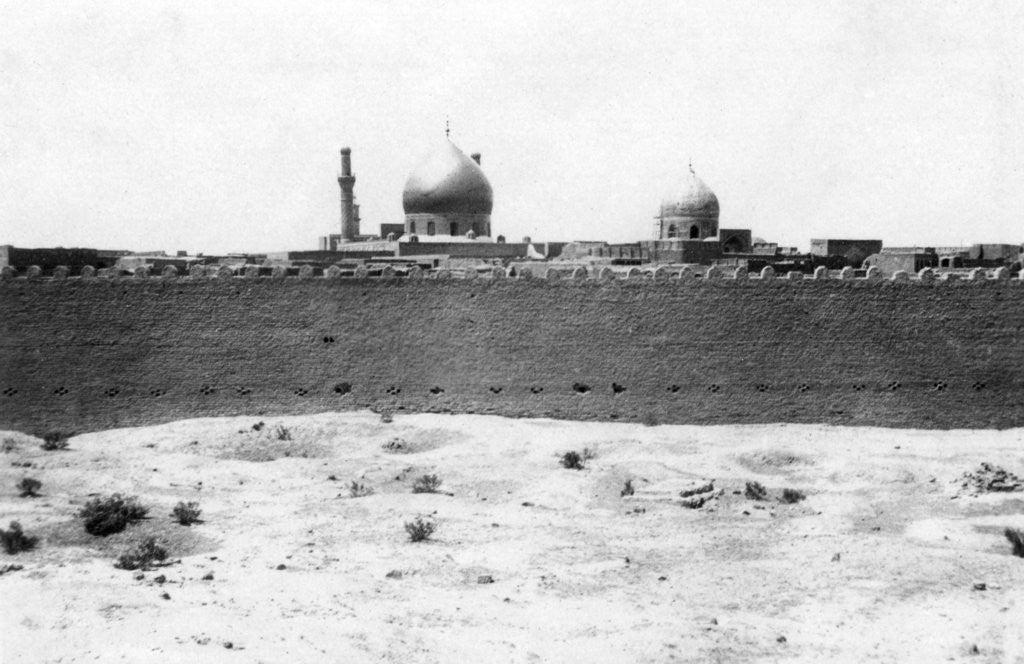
<point>347,181</point>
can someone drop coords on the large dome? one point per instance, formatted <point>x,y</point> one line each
<point>694,200</point>
<point>447,181</point>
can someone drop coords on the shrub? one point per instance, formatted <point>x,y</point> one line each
<point>420,530</point>
<point>142,556</point>
<point>589,454</point>
<point>105,516</point>
<point>427,484</point>
<point>627,490</point>
<point>755,491</point>
<point>792,496</point>
<point>282,432</point>
<point>186,513</point>
<point>54,441</point>
<point>15,540</point>
<point>1015,536</point>
<point>29,487</point>
<point>357,490</point>
<point>572,460</point>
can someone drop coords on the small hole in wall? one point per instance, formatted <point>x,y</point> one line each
<point>714,388</point>
<point>762,387</point>
<point>859,387</point>
<point>342,388</point>
<point>495,390</point>
<point>61,391</point>
<point>156,392</point>
<point>437,390</point>
<point>536,390</point>
<point>939,386</point>
<point>580,388</point>
<point>978,386</point>
<point>893,386</point>
<point>10,392</point>
<point>300,392</point>
<point>206,390</point>
<point>112,391</point>
<point>328,340</point>
<point>672,388</point>
<point>242,391</point>
<point>803,387</point>
<point>394,390</point>
<point>618,389</point>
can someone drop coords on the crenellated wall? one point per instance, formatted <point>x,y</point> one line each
<point>91,353</point>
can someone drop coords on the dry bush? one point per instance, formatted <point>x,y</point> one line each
<point>572,460</point>
<point>427,484</point>
<point>29,487</point>
<point>420,529</point>
<point>282,432</point>
<point>357,490</point>
<point>1016,538</point>
<point>112,514</point>
<point>792,496</point>
<point>54,441</point>
<point>755,491</point>
<point>15,540</point>
<point>186,513</point>
<point>143,555</point>
<point>627,490</point>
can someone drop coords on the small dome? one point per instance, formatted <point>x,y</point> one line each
<point>695,200</point>
<point>447,181</point>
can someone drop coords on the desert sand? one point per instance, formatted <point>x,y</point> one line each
<point>889,558</point>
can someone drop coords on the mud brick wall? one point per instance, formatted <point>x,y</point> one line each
<point>87,354</point>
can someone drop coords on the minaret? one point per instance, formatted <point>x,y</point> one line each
<point>349,223</point>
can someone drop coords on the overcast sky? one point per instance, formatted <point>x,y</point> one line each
<point>216,127</point>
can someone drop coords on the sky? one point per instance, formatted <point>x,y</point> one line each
<point>215,127</point>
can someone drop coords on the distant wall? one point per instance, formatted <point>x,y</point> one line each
<point>86,354</point>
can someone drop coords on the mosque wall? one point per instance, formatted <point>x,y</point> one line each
<point>87,354</point>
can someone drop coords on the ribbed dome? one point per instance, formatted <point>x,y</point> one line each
<point>447,181</point>
<point>695,200</point>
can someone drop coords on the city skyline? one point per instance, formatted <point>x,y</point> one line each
<point>218,129</point>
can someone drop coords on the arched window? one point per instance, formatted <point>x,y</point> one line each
<point>733,245</point>
<point>672,231</point>
<point>430,228</point>
<point>694,232</point>
<point>454,228</point>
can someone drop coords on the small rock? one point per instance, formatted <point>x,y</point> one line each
<point>980,586</point>
<point>165,596</point>
<point>485,578</point>
<point>781,639</point>
<point>282,566</point>
<point>836,558</point>
<point>714,621</point>
<point>140,576</point>
<point>229,645</point>
<point>333,478</point>
<point>974,649</point>
<point>208,576</point>
<point>160,579</point>
<point>527,504</point>
<point>662,578</point>
<point>394,574</point>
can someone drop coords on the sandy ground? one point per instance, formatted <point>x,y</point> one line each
<point>879,563</point>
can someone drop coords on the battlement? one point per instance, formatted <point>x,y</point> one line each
<point>547,272</point>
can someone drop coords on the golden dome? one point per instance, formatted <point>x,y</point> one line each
<point>447,181</point>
